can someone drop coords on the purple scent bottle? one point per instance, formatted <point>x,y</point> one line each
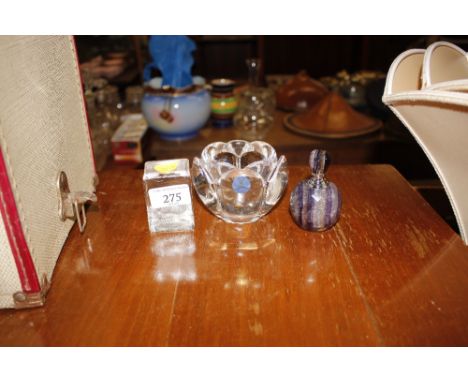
<point>315,203</point>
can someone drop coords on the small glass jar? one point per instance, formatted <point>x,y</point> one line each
<point>133,97</point>
<point>108,102</point>
<point>101,132</point>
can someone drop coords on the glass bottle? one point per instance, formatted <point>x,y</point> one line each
<point>352,89</point>
<point>315,203</point>
<point>100,132</point>
<point>133,97</point>
<point>254,117</point>
<point>108,103</point>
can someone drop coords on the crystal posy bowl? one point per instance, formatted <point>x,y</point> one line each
<point>239,181</point>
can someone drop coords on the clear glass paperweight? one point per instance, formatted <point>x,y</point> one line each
<point>168,195</point>
<point>315,203</point>
<point>239,181</point>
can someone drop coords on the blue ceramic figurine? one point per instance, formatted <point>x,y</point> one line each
<point>172,55</point>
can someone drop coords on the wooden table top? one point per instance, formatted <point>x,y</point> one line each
<point>391,272</point>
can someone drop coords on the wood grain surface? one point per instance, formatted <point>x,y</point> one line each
<point>391,272</point>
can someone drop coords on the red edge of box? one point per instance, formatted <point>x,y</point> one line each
<point>19,247</point>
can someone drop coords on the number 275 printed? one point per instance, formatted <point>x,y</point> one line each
<point>172,198</point>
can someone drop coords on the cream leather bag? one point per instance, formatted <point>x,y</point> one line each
<point>45,142</point>
<point>426,89</point>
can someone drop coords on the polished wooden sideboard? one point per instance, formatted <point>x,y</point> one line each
<point>391,272</point>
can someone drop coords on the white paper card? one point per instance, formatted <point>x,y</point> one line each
<point>171,196</point>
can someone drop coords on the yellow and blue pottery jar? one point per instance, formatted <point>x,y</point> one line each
<point>223,102</point>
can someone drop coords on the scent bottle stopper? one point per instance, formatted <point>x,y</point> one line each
<point>315,203</point>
